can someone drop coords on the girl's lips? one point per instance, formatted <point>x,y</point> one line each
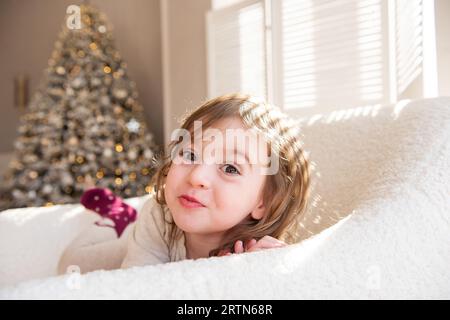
<point>189,202</point>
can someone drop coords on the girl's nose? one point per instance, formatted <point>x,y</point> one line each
<point>200,176</point>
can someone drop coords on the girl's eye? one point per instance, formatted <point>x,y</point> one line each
<point>188,155</point>
<point>231,169</point>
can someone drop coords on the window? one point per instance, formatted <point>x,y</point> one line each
<point>306,55</point>
<point>332,53</point>
<point>237,50</point>
<point>408,41</point>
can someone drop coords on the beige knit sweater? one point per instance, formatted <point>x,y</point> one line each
<point>144,242</point>
<point>148,242</point>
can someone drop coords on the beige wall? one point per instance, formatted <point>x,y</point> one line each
<point>184,58</point>
<point>29,29</point>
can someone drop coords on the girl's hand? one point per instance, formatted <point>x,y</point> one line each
<point>266,242</point>
<point>252,245</point>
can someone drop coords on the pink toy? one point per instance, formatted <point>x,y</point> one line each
<point>107,205</point>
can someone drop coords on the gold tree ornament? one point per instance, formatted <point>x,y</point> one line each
<point>33,175</point>
<point>80,159</point>
<point>60,70</point>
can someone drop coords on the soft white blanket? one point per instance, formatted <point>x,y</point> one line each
<point>383,172</point>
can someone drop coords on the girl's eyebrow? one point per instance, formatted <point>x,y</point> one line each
<point>241,153</point>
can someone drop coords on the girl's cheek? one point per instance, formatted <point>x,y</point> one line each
<point>175,175</point>
<point>171,177</point>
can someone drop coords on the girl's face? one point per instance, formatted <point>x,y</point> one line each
<point>228,186</point>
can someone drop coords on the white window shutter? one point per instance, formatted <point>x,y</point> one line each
<point>408,42</point>
<point>236,49</point>
<point>334,53</point>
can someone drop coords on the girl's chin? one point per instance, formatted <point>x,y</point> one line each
<point>189,228</point>
<point>185,221</point>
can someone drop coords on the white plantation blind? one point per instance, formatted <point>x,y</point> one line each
<point>322,54</point>
<point>408,42</point>
<point>237,50</point>
<point>333,53</point>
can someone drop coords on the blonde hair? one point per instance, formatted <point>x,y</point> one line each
<point>285,193</point>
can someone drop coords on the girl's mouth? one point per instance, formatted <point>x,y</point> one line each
<point>189,202</point>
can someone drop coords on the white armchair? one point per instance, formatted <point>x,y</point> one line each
<point>383,173</point>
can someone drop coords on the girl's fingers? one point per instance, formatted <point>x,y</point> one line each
<point>267,243</point>
<point>249,243</point>
<point>267,240</point>
<point>238,247</point>
<point>273,240</point>
<point>246,245</point>
<point>224,252</point>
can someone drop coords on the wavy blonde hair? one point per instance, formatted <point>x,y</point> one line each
<point>285,193</point>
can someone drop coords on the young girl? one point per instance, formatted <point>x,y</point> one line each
<point>213,196</point>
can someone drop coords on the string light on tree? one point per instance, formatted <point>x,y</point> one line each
<point>119,148</point>
<point>133,125</point>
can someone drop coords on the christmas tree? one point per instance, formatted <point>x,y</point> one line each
<point>83,123</point>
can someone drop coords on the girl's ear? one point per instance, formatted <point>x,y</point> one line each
<point>259,211</point>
